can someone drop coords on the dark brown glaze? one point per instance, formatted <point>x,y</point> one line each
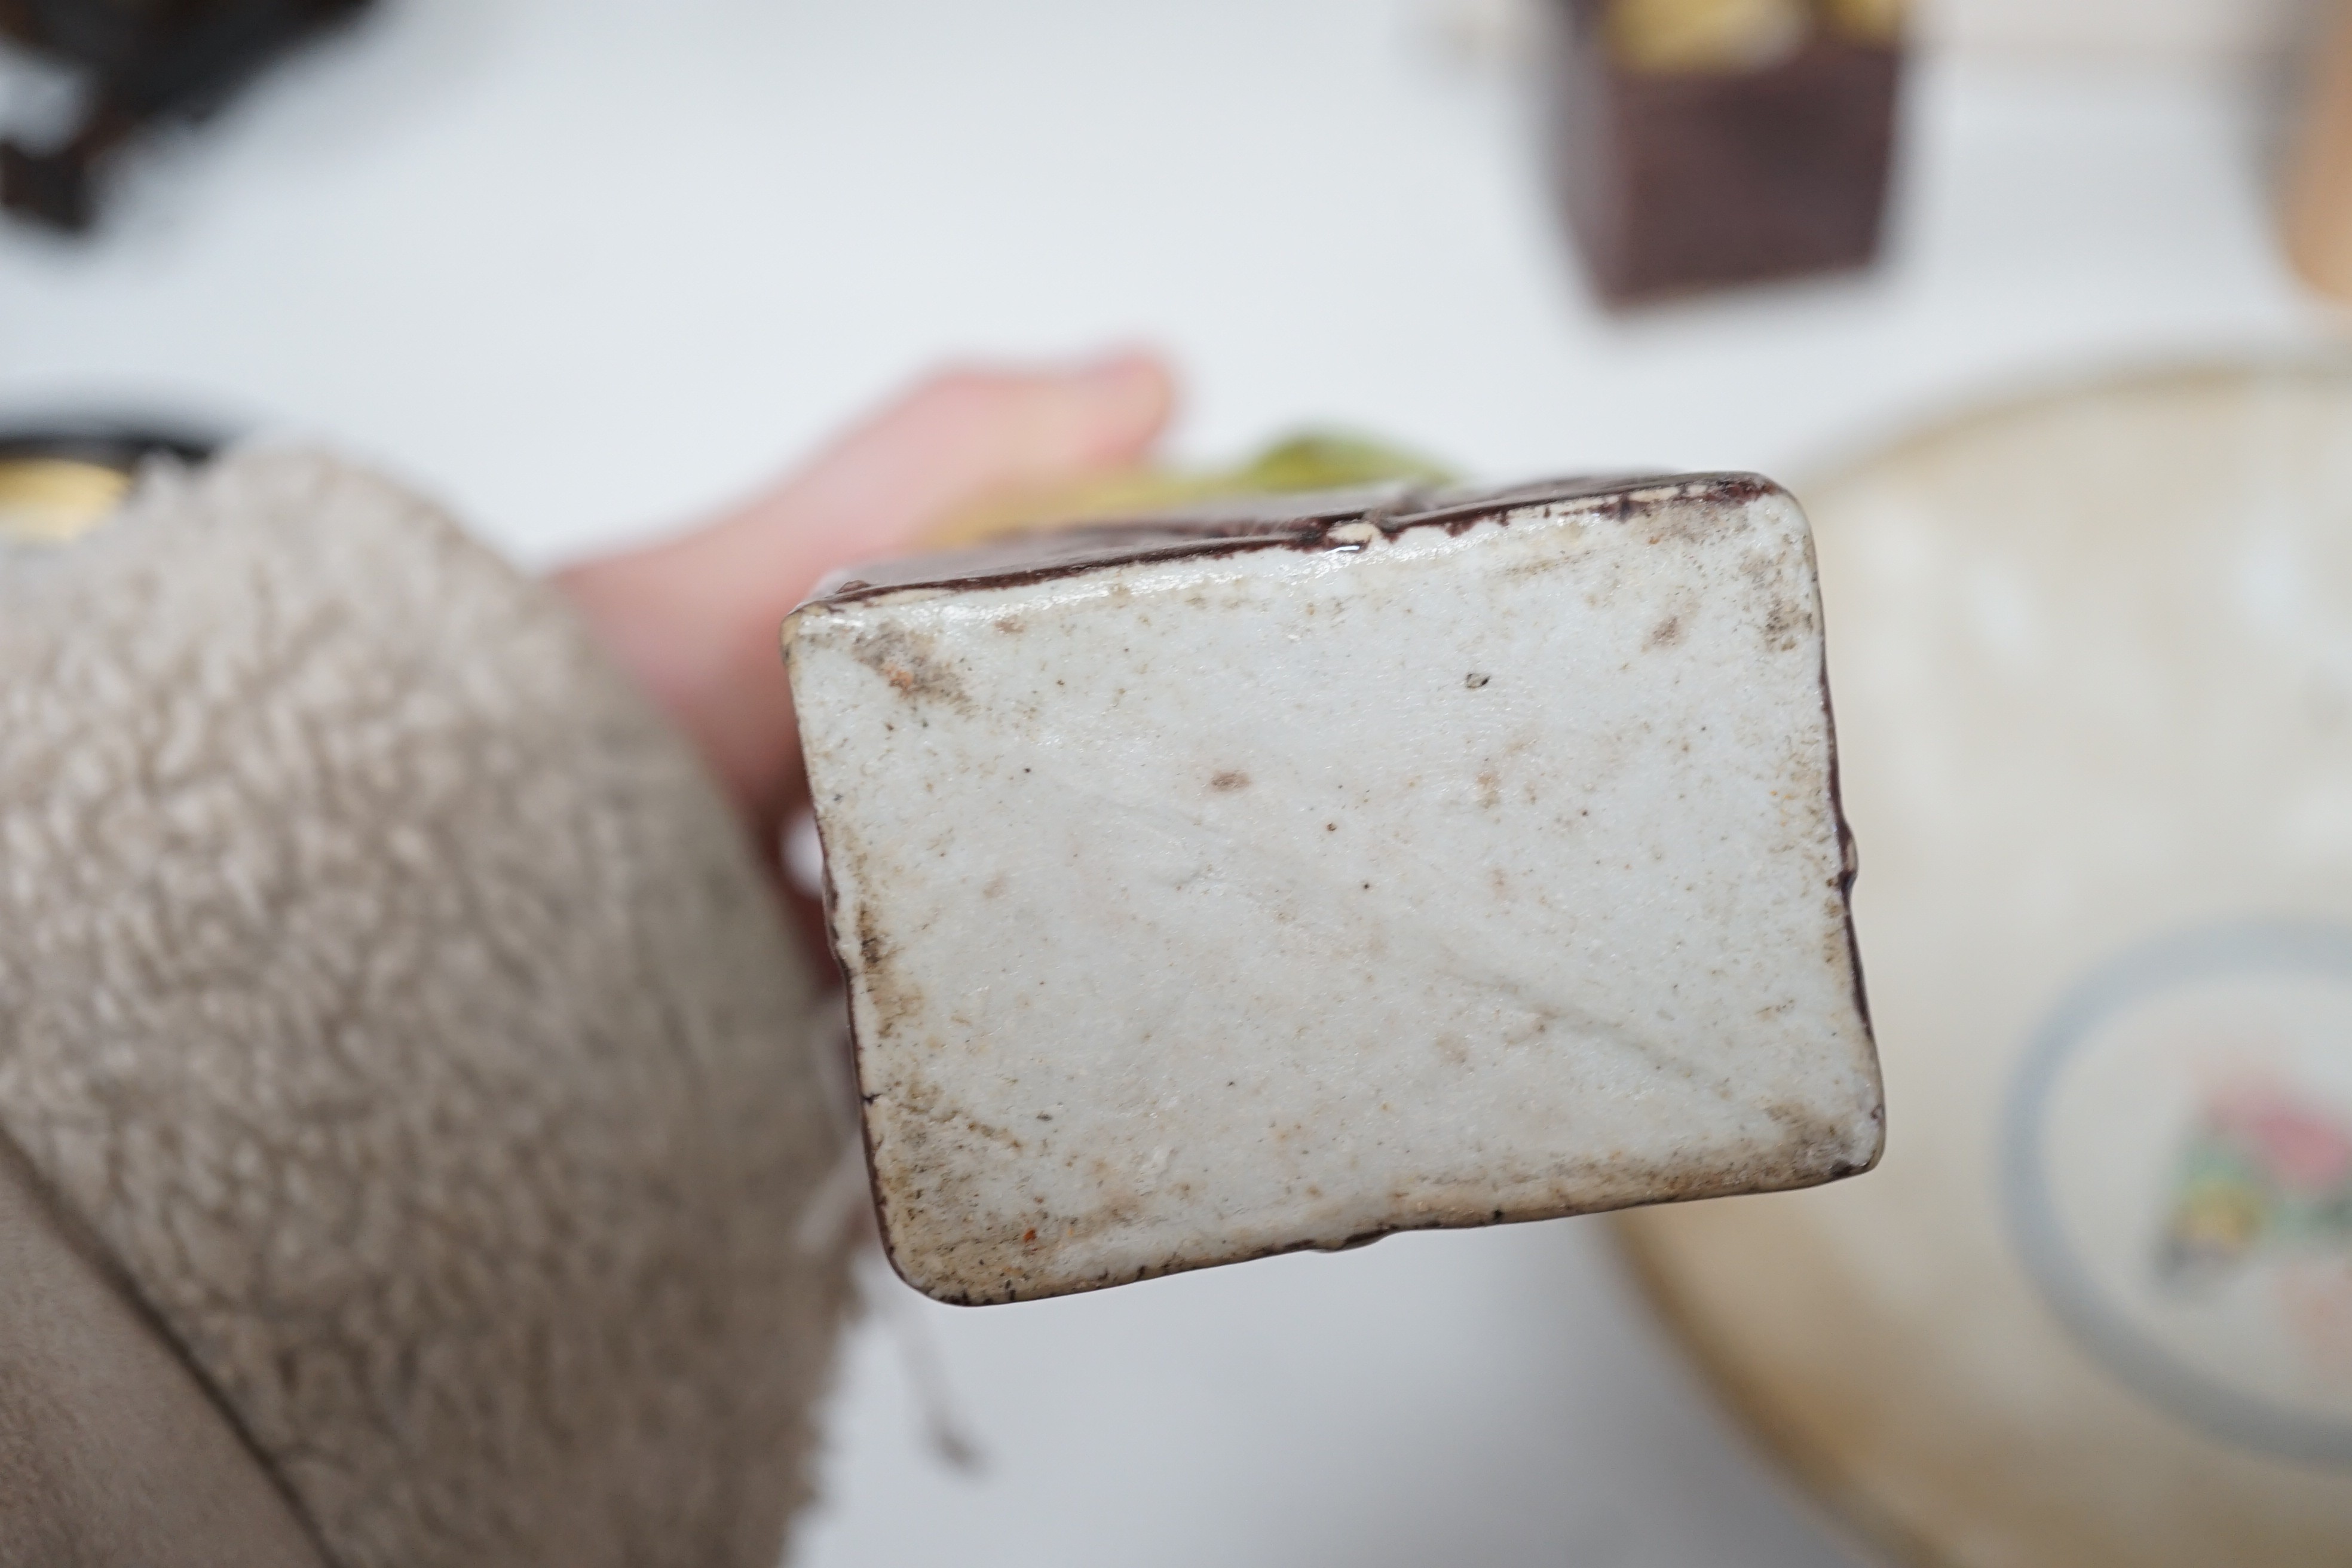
<point>1849,856</point>
<point>1802,1162</point>
<point>1298,522</point>
<point>1459,508</point>
<point>1681,181</point>
<point>140,66</point>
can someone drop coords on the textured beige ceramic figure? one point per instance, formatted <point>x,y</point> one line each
<point>1280,879</point>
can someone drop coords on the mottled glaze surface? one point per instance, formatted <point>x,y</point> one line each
<point>1451,862</point>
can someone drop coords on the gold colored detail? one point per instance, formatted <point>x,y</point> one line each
<point>1865,21</point>
<point>48,500</point>
<point>1705,37</point>
<point>1699,37</point>
<point>1314,461</point>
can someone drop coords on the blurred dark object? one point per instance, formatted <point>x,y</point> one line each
<point>1707,143</point>
<point>121,445</point>
<point>60,479</point>
<point>142,63</point>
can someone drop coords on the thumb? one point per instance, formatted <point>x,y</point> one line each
<point>695,618</point>
<point>956,439</point>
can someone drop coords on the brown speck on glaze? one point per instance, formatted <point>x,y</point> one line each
<point>1231,779</point>
<point>894,999</point>
<point>910,662</point>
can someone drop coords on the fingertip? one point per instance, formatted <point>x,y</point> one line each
<point>1129,395</point>
<point>1133,371</point>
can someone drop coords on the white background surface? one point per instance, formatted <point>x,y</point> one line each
<point>586,267</point>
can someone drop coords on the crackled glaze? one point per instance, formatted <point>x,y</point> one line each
<point>1427,861</point>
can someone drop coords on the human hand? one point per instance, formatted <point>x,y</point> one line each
<point>696,618</point>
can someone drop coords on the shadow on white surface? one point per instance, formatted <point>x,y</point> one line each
<point>1486,1397</point>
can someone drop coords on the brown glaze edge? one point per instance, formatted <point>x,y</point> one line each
<point>1051,1287</point>
<point>1849,852</point>
<point>836,943</point>
<point>1199,537</point>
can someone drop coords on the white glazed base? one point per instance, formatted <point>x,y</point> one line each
<point>1206,906</point>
